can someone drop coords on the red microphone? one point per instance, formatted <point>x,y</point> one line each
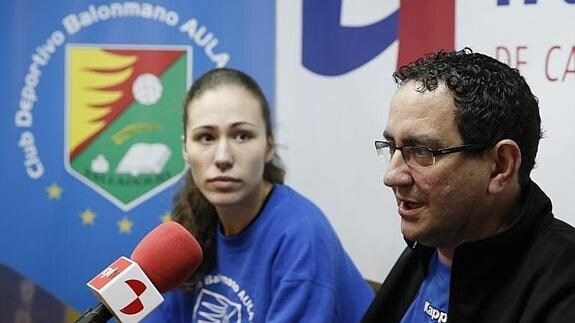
<point>169,254</point>
<point>129,289</point>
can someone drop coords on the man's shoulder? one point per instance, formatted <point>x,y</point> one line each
<point>558,234</point>
<point>554,246</point>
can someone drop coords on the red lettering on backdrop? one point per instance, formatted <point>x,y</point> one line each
<point>569,64</point>
<point>499,51</point>
<point>549,77</point>
<point>424,27</point>
<point>570,61</point>
<point>503,54</point>
<point>518,50</point>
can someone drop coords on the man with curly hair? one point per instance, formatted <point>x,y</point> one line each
<point>483,245</point>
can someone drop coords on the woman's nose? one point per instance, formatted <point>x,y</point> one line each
<point>223,157</point>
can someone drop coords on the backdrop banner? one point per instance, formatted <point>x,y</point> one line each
<point>91,127</point>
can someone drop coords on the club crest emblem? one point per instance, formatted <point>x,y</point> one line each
<point>123,118</point>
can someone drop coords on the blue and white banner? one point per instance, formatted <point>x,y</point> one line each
<point>91,124</point>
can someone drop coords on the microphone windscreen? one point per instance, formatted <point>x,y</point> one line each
<point>168,255</point>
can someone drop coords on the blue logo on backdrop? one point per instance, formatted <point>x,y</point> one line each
<point>331,49</point>
<point>86,79</point>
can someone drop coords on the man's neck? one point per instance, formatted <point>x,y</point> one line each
<point>445,255</point>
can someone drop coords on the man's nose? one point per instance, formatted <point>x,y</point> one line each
<point>398,172</point>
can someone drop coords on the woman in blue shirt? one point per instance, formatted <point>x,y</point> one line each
<point>270,254</point>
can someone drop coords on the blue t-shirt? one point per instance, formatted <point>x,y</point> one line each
<point>287,266</point>
<point>432,301</point>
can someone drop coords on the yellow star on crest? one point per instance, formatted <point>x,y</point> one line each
<point>166,217</point>
<point>88,217</point>
<point>125,225</point>
<point>54,191</point>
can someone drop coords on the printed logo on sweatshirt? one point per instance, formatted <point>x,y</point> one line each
<point>434,313</point>
<point>213,307</point>
<point>230,305</point>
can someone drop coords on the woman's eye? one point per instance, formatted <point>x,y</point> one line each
<point>242,136</point>
<point>205,138</point>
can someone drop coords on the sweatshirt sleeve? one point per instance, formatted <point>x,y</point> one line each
<point>314,280</point>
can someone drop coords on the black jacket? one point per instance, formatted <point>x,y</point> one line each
<point>525,274</point>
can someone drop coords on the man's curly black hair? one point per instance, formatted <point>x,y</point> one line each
<point>493,101</point>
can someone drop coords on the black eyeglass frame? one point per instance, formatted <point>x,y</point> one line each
<point>380,144</point>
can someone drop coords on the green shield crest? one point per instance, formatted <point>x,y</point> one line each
<point>123,118</point>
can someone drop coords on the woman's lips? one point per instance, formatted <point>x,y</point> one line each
<point>224,182</point>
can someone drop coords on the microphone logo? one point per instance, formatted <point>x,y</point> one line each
<point>126,291</point>
<point>136,306</point>
<point>109,273</point>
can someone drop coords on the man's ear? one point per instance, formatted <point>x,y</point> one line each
<point>506,157</point>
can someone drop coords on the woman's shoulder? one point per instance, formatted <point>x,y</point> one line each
<point>287,196</point>
<point>296,214</point>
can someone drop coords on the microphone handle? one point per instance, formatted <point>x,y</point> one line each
<point>98,314</point>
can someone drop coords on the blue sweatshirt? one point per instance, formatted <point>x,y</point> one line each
<point>286,266</point>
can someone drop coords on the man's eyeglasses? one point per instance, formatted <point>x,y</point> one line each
<point>420,156</point>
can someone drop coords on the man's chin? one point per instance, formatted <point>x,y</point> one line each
<point>417,237</point>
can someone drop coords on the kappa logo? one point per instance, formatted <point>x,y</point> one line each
<point>434,313</point>
<point>123,118</point>
<point>215,308</point>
